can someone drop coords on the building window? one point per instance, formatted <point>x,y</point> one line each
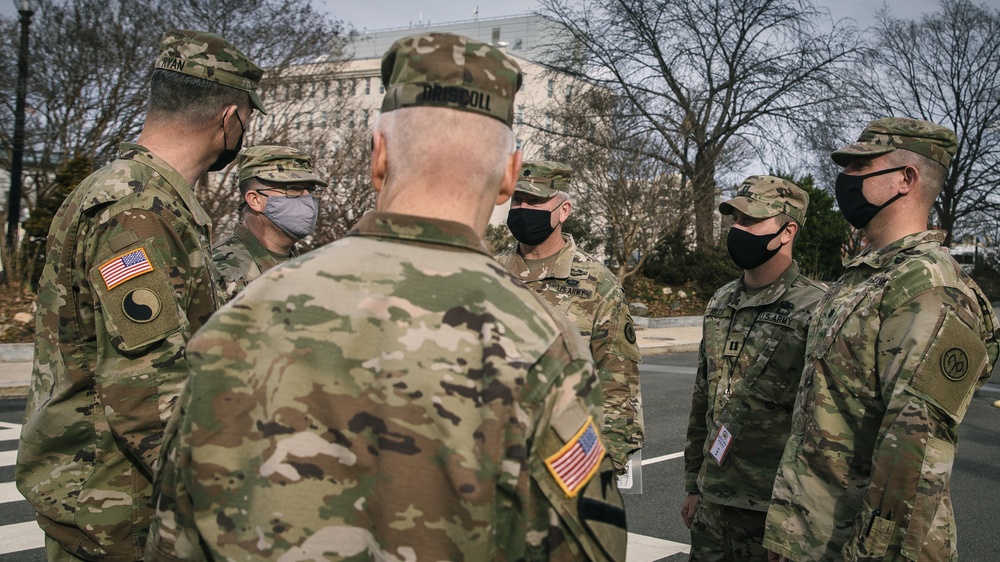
<point>368,86</point>
<point>551,88</point>
<point>517,143</point>
<point>326,89</point>
<point>381,87</point>
<point>496,36</point>
<point>569,92</point>
<point>520,114</point>
<point>364,119</point>
<point>548,121</point>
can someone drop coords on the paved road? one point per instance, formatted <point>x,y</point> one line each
<point>653,516</point>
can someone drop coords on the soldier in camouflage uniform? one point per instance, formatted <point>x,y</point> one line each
<point>395,395</point>
<point>749,365</point>
<point>126,282</point>
<point>582,288</point>
<point>895,352</point>
<point>278,208</point>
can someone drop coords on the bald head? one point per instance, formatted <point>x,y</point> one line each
<point>453,150</point>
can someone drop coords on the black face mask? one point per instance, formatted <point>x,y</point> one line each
<point>855,207</point>
<point>530,226</point>
<point>750,251</point>
<point>228,154</point>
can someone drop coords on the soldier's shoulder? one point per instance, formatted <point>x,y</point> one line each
<point>916,272</point>
<point>116,181</point>
<point>586,265</point>
<point>804,289</point>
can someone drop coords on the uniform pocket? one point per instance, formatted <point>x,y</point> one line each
<point>932,524</point>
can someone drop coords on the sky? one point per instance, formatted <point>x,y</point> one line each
<point>380,14</point>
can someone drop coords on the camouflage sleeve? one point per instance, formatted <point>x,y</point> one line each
<point>141,326</point>
<point>173,534</point>
<point>697,430</point>
<point>230,279</point>
<point>930,362</point>
<point>583,517</point>
<point>616,355</point>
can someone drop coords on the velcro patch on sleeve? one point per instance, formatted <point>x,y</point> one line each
<point>578,460</point>
<point>126,266</point>
<point>948,374</point>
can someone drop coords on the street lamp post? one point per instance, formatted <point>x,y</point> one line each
<point>26,9</point>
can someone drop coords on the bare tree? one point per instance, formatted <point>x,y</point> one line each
<point>619,189</point>
<point>707,76</point>
<point>91,61</point>
<point>945,68</point>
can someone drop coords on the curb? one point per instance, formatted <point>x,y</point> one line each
<point>668,349</point>
<point>671,322</point>
<point>16,352</point>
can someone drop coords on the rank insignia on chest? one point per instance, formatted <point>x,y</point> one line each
<point>733,346</point>
<point>124,267</point>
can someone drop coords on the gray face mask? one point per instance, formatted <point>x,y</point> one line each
<point>295,216</point>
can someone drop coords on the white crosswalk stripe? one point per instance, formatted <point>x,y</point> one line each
<point>23,535</point>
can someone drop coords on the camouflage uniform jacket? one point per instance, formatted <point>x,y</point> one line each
<point>126,282</point>
<point>584,290</point>
<point>393,395</point>
<point>895,352</point>
<point>754,347</point>
<point>240,259</point>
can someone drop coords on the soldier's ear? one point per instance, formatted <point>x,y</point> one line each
<point>380,161</point>
<point>510,175</point>
<point>255,200</point>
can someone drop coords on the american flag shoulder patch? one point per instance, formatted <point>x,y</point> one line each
<point>124,267</point>
<point>577,461</point>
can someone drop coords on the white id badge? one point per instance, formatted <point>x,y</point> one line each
<point>721,444</point>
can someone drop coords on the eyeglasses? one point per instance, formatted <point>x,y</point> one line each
<point>294,192</point>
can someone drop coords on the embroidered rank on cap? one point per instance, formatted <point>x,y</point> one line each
<point>578,460</point>
<point>124,267</point>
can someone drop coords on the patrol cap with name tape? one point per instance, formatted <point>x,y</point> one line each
<point>763,197</point>
<point>452,71</point>
<point>210,57</point>
<point>280,164</point>
<point>886,135</point>
<point>543,178</point>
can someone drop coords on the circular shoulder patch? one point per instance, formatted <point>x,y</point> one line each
<point>955,364</point>
<point>630,332</point>
<point>141,305</point>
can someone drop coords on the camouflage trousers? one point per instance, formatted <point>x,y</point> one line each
<point>56,553</point>
<point>720,533</point>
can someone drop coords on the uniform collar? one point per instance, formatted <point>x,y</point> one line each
<point>142,155</point>
<point>775,290</point>
<point>557,266</point>
<point>884,256</point>
<point>260,254</point>
<point>381,224</point>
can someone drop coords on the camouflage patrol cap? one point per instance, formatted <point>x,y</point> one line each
<point>210,57</point>
<point>543,179</point>
<point>886,135</point>
<point>280,164</point>
<point>763,197</point>
<point>447,70</point>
